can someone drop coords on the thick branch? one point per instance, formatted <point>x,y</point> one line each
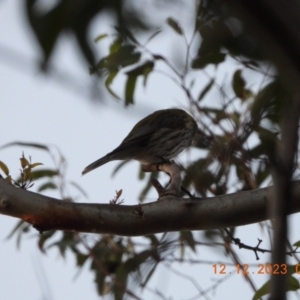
<point>170,214</point>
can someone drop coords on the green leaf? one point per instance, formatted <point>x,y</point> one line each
<point>35,165</point>
<point>264,290</point>
<point>293,285</point>
<point>4,168</point>
<point>110,78</point>
<point>115,45</point>
<point>238,84</point>
<point>41,174</point>
<point>100,37</point>
<point>46,186</point>
<point>206,89</point>
<point>175,25</point>
<point>144,69</point>
<point>124,56</point>
<point>129,89</point>
<point>297,244</point>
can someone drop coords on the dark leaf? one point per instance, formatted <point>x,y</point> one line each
<point>212,58</point>
<point>293,285</point>
<point>148,186</point>
<point>125,32</point>
<point>144,70</point>
<point>129,89</point>
<point>238,84</point>
<point>153,35</point>
<point>34,145</point>
<point>187,238</point>
<point>119,166</point>
<point>81,259</point>
<point>206,89</point>
<point>43,238</point>
<point>110,78</point>
<point>175,25</point>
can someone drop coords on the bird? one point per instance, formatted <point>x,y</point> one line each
<point>156,139</point>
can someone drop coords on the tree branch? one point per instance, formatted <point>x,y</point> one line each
<point>170,214</point>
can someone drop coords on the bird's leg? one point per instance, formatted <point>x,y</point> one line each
<point>173,171</point>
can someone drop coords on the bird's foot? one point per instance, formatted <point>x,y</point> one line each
<point>173,170</point>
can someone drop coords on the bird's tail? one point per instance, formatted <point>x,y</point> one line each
<point>96,164</point>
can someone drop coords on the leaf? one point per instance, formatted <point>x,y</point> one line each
<point>144,69</point>
<point>115,45</point>
<point>261,102</point>
<point>24,162</point>
<point>34,145</point>
<point>41,174</point>
<point>4,168</point>
<point>206,89</point>
<point>119,166</point>
<point>293,285</point>
<point>81,259</point>
<point>125,56</point>
<point>125,32</point>
<point>35,165</point>
<point>15,229</point>
<point>43,238</point>
<point>175,25</point>
<point>110,78</point>
<point>210,58</point>
<point>129,89</point>
<point>46,186</point>
<point>142,174</point>
<point>19,229</point>
<point>27,174</point>
<point>153,238</point>
<point>148,186</point>
<point>100,37</point>
<point>79,188</point>
<point>119,193</point>
<point>187,238</point>
<point>297,244</point>
<point>153,35</point>
<point>238,85</point>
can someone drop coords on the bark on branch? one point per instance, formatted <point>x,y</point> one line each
<point>169,214</point>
